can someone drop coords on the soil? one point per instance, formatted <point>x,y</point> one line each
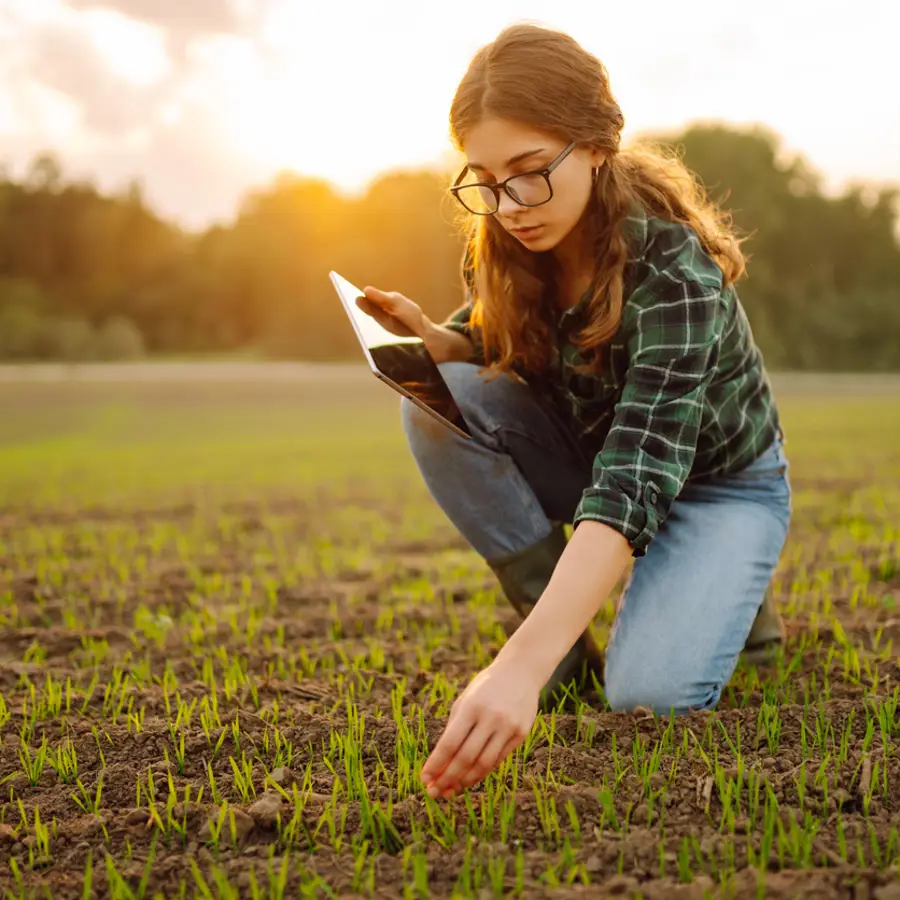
<point>846,857</point>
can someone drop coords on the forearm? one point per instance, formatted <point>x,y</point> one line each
<point>446,345</point>
<point>585,575</point>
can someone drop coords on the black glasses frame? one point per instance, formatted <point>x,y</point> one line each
<point>502,185</point>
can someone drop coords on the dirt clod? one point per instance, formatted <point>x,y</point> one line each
<point>266,810</point>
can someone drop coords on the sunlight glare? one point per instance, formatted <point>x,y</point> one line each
<point>134,51</point>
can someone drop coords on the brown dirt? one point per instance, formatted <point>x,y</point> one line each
<point>846,856</point>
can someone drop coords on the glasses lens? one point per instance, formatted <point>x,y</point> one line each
<point>479,200</point>
<point>531,190</point>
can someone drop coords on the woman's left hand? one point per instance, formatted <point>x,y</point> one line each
<point>491,717</point>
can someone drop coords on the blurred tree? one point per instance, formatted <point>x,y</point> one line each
<point>67,338</point>
<point>22,308</point>
<point>45,173</point>
<point>812,258</point>
<point>102,275</point>
<point>118,338</point>
<point>21,328</point>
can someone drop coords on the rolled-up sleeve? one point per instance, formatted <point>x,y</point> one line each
<point>673,345</point>
<point>461,319</point>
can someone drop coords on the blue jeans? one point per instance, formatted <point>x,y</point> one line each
<point>690,601</point>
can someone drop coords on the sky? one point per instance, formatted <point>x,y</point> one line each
<point>202,100</point>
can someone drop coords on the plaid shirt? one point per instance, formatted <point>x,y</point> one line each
<point>683,395</point>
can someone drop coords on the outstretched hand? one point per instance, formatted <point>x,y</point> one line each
<point>496,711</point>
<point>487,722</point>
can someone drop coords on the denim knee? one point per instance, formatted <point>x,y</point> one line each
<point>422,430</point>
<point>630,684</point>
<point>484,400</point>
<point>485,403</point>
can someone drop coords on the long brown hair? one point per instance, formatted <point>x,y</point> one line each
<point>545,79</point>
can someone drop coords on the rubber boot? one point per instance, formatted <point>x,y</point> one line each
<point>524,577</point>
<point>766,636</point>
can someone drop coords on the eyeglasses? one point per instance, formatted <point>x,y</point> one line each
<point>527,189</point>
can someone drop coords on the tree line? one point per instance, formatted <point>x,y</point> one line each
<point>92,275</point>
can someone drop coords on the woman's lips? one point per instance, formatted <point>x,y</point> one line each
<point>527,232</point>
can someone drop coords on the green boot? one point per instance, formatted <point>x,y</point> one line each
<point>524,577</point>
<point>766,636</point>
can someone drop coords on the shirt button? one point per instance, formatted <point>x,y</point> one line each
<point>651,493</point>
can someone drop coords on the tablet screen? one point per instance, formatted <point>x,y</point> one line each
<point>403,360</point>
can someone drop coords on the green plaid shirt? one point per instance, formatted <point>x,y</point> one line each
<point>683,396</point>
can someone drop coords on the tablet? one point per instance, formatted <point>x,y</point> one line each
<point>403,363</point>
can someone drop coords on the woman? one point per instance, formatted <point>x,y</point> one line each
<point>625,397</point>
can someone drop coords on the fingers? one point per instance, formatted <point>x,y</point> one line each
<point>367,306</point>
<point>455,733</point>
<point>450,791</point>
<point>464,757</point>
<point>380,306</point>
<point>496,750</point>
<point>378,313</point>
<point>405,316</point>
<point>380,298</point>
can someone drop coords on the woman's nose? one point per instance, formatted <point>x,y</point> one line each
<point>507,205</point>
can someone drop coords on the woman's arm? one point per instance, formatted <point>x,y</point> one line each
<point>587,572</point>
<point>496,711</point>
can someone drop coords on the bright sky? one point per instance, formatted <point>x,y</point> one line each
<point>203,99</point>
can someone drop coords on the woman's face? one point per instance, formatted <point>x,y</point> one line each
<point>491,148</point>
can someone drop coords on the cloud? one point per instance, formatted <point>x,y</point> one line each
<point>103,91</point>
<point>66,58</point>
<point>204,97</point>
<point>186,174</point>
<point>185,20</point>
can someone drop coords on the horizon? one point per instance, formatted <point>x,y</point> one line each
<point>129,90</point>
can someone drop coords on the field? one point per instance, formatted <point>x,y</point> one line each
<point>232,622</point>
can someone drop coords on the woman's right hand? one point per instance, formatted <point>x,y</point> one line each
<point>394,312</point>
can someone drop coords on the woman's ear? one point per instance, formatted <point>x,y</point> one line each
<point>598,161</point>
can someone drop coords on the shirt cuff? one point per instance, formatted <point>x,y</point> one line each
<point>465,329</point>
<point>461,327</point>
<point>633,512</point>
